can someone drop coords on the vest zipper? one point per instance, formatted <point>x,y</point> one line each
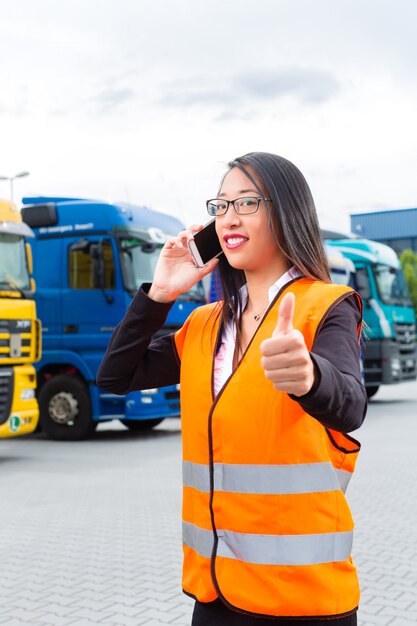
<point>211,462</point>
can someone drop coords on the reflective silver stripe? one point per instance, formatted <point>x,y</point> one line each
<point>265,479</point>
<point>198,539</point>
<point>286,549</point>
<point>271,549</point>
<point>344,478</point>
<point>196,475</point>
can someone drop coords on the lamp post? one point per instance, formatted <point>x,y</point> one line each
<point>11,179</point>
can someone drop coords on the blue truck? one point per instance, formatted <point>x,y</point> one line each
<point>390,349</point>
<point>89,258</point>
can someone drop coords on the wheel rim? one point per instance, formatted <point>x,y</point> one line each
<point>63,408</point>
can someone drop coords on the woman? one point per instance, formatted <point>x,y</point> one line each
<point>270,382</point>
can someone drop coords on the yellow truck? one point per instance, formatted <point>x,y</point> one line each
<point>20,330</point>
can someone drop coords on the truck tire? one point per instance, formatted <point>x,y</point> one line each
<point>141,425</point>
<point>371,391</point>
<point>65,409</point>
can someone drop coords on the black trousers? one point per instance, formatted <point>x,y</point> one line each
<point>217,614</point>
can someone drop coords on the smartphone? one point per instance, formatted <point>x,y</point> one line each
<point>205,245</point>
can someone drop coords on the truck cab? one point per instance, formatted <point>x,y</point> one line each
<point>20,333</point>
<point>390,332</point>
<point>90,258</point>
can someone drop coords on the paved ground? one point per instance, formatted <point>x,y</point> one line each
<point>90,531</point>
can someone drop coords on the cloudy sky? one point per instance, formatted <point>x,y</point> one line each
<point>146,101</point>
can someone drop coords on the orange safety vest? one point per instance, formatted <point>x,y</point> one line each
<point>266,526</point>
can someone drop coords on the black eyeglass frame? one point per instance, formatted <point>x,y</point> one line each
<point>232,202</point>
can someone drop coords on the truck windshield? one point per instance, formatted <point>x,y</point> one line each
<point>14,274</point>
<point>138,261</point>
<point>391,285</point>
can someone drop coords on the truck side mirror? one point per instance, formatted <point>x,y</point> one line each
<point>96,251</point>
<point>99,269</point>
<point>362,284</point>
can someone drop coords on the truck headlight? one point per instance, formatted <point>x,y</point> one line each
<point>395,367</point>
<point>149,392</point>
<point>27,394</point>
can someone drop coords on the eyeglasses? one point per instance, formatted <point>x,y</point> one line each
<point>243,206</point>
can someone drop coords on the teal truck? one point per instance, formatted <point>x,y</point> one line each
<point>390,351</point>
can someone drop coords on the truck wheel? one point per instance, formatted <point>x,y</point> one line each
<point>141,425</point>
<point>371,391</point>
<point>65,410</point>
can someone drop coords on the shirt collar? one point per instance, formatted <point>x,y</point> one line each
<point>290,275</point>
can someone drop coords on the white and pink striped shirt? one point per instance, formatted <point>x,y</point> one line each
<point>223,362</point>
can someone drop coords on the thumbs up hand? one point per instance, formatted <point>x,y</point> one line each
<point>285,358</point>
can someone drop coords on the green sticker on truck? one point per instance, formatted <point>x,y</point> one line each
<point>14,423</point>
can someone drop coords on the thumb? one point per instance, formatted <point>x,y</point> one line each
<point>285,315</point>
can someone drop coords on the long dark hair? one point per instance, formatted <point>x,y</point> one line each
<point>292,218</point>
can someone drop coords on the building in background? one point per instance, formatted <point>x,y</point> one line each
<point>396,228</point>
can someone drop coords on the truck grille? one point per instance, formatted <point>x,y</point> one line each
<point>6,393</point>
<point>15,340</point>
<point>405,335</point>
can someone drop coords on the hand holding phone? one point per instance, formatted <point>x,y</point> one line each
<point>176,270</point>
<point>206,245</point>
